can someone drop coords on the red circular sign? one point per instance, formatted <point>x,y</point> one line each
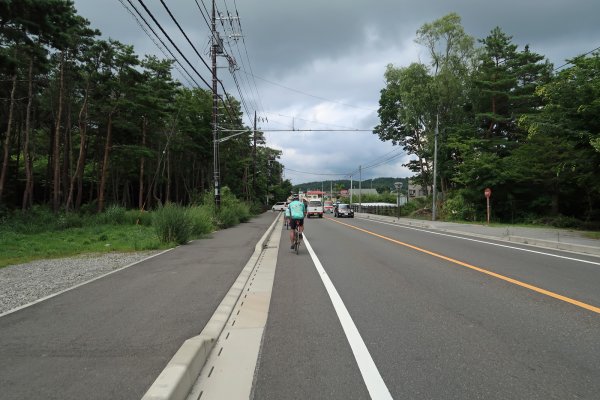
<point>487,192</point>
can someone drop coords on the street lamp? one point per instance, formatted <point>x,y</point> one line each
<point>398,189</point>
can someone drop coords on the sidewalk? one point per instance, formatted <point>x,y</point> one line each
<point>112,337</point>
<point>560,239</point>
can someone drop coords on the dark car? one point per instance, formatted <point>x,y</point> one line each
<point>343,210</point>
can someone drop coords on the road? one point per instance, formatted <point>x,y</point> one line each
<point>366,310</point>
<point>109,339</point>
<point>436,322</point>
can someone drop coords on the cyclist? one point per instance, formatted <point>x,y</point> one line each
<point>297,213</point>
<point>286,216</point>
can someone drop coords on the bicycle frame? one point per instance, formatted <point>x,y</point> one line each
<point>296,238</point>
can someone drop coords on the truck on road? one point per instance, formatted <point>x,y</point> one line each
<point>315,208</point>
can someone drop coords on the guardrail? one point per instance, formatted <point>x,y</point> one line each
<point>391,211</point>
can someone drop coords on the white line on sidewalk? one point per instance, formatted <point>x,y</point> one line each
<point>373,380</point>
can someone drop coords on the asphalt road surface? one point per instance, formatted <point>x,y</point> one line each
<point>442,317</point>
<point>111,338</point>
<point>371,311</point>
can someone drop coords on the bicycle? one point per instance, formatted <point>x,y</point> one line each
<point>296,238</point>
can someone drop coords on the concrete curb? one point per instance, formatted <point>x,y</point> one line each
<point>548,244</point>
<point>178,377</point>
<point>576,248</point>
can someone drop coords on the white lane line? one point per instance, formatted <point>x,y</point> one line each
<point>83,283</point>
<point>484,242</point>
<point>373,380</point>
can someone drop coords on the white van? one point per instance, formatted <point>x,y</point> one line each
<point>315,207</point>
<point>280,206</point>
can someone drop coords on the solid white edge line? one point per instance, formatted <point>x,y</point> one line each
<point>82,283</point>
<point>373,380</point>
<point>483,241</point>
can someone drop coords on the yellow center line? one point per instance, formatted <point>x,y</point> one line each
<point>485,271</point>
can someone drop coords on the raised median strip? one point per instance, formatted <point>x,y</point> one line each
<point>176,380</point>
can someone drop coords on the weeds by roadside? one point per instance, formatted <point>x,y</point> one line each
<point>40,233</point>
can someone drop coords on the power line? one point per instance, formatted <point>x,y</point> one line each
<point>184,34</point>
<point>379,161</point>
<point>309,120</point>
<point>581,55</point>
<point>247,56</point>
<point>314,173</point>
<point>316,130</point>
<point>307,94</point>
<point>201,12</point>
<point>193,47</point>
<point>255,97</point>
<point>157,37</point>
<point>231,60</point>
<point>173,43</point>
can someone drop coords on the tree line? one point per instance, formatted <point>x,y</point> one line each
<point>505,118</point>
<point>86,122</point>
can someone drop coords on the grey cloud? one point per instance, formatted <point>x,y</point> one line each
<point>338,49</point>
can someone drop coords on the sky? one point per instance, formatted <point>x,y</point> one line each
<point>319,64</point>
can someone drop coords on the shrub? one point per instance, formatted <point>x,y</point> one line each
<point>457,209</point>
<point>560,221</point>
<point>228,216</point>
<point>201,220</point>
<point>36,220</point>
<point>172,224</point>
<point>113,215</point>
<point>413,206</point>
<point>257,208</point>
<point>70,220</point>
<point>243,211</point>
<point>138,217</point>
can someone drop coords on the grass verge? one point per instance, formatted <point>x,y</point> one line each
<point>17,248</point>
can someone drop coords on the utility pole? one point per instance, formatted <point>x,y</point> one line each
<point>435,146</point>
<point>351,190</point>
<point>360,188</point>
<point>254,160</point>
<point>215,49</point>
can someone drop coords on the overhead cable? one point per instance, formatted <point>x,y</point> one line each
<point>173,43</point>
<point>157,37</point>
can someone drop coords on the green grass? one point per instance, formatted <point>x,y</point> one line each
<point>41,234</point>
<point>17,248</point>
<point>592,235</point>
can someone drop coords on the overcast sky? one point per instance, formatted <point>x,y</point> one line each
<point>319,64</point>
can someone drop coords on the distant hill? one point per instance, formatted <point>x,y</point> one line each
<point>381,184</point>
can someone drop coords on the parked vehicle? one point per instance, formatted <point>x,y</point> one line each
<point>343,210</point>
<point>279,206</point>
<point>315,207</point>
<point>328,206</point>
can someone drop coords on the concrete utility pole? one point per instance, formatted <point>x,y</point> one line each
<point>360,188</point>
<point>435,146</point>
<point>254,160</point>
<point>215,48</point>
<point>350,189</point>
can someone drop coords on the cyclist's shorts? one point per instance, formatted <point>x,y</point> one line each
<point>294,222</point>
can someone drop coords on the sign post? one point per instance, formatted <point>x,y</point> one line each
<point>488,192</point>
<point>398,186</point>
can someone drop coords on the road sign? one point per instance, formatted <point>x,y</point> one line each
<point>487,192</point>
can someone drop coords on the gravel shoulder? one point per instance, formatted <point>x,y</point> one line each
<point>24,283</point>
